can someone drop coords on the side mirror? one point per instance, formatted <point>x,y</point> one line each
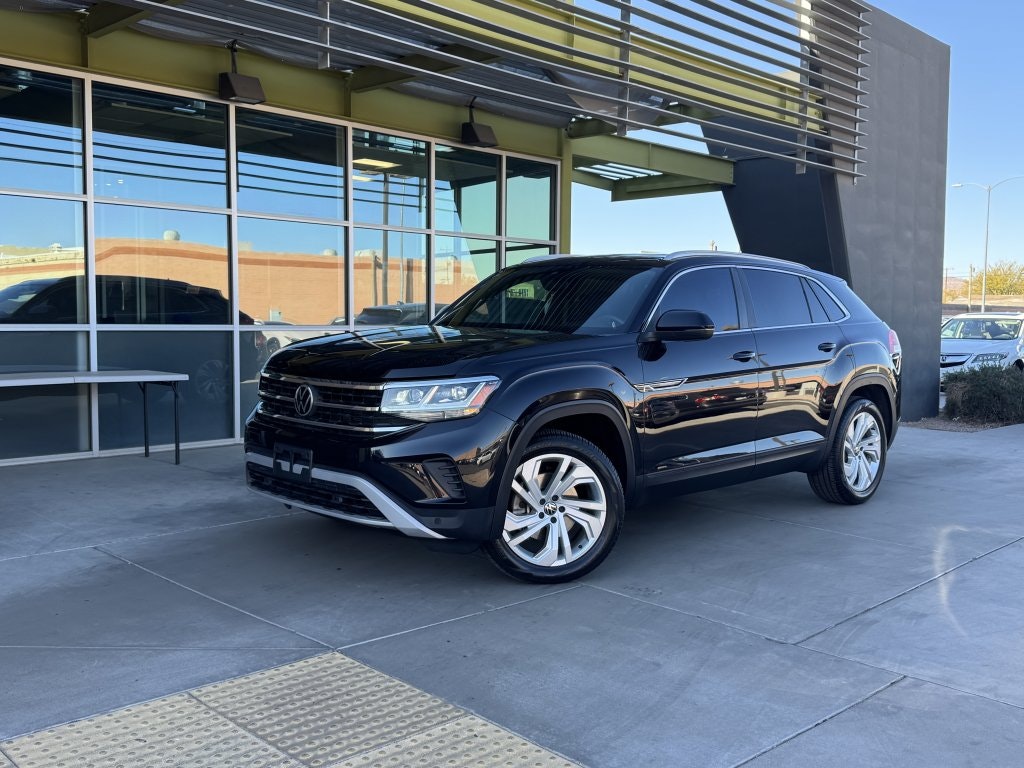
<point>680,325</point>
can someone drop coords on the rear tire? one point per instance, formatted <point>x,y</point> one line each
<point>855,461</point>
<point>564,512</point>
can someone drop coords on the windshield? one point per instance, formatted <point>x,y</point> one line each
<point>981,328</point>
<point>565,298</point>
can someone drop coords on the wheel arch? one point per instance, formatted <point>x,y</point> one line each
<point>595,420</point>
<point>876,388</point>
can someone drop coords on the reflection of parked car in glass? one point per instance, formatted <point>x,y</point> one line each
<point>413,313</point>
<point>975,339</point>
<point>123,299</point>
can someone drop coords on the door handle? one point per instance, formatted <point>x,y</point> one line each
<point>827,346</point>
<point>744,357</point>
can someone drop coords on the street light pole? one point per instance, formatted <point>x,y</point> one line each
<point>984,258</point>
<point>988,215</point>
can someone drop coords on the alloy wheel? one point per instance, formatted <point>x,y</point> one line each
<point>557,510</point>
<point>862,452</point>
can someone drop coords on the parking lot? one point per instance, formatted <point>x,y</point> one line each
<point>754,625</point>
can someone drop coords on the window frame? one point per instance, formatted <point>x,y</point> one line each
<point>742,303</point>
<point>748,294</point>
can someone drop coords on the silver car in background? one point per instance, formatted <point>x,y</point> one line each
<point>982,338</point>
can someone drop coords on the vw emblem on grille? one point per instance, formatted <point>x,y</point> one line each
<point>305,400</point>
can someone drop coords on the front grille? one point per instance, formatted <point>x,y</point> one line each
<point>319,493</point>
<point>951,364</point>
<point>338,405</point>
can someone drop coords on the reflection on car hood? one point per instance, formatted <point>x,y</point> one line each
<point>414,352</point>
<point>976,346</point>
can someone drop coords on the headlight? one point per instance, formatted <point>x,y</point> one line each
<point>437,400</point>
<point>988,358</point>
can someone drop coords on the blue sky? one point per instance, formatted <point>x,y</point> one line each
<point>986,116</point>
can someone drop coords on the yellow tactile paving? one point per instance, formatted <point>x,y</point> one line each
<point>175,731</point>
<point>324,709</point>
<point>468,742</point>
<point>325,712</point>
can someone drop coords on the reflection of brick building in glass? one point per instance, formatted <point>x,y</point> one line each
<point>272,285</point>
<point>20,264</point>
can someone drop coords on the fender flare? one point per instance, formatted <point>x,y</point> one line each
<point>523,435</point>
<point>857,382</point>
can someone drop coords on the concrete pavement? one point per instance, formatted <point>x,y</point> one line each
<point>752,625</point>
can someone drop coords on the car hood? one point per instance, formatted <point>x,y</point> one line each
<point>976,346</point>
<point>412,352</point>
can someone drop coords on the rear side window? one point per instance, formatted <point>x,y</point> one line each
<point>710,291</point>
<point>818,314</point>
<point>832,309</point>
<point>777,298</point>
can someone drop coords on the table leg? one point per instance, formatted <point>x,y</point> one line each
<point>177,437</point>
<point>145,417</point>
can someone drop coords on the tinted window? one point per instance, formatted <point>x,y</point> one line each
<point>777,297</point>
<point>564,298</point>
<point>709,291</point>
<point>291,166</point>
<point>529,199</point>
<point>42,243</point>
<point>154,146</point>
<point>832,308</point>
<point>40,131</point>
<point>466,191</point>
<point>389,179</point>
<point>818,314</point>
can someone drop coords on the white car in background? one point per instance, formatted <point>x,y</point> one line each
<point>982,338</point>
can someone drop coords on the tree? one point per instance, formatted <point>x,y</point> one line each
<point>1005,278</point>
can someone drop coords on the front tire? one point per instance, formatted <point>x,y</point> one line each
<point>564,512</point>
<point>853,466</point>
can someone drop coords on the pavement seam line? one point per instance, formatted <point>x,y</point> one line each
<point>4,753</point>
<point>822,721</point>
<point>191,694</point>
<point>708,619</point>
<point>154,699</point>
<point>908,590</point>
<point>828,530</point>
<point>949,687</point>
<point>169,580</point>
<point>465,714</point>
<point>189,648</point>
<point>147,536</point>
<point>462,713</point>
<point>342,648</point>
<point>917,678</point>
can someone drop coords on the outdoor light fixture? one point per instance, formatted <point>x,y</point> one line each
<point>369,162</point>
<point>477,134</point>
<point>242,89</point>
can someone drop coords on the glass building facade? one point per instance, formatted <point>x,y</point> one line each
<point>152,229</point>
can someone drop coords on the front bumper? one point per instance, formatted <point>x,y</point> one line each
<point>337,494</point>
<point>436,482</point>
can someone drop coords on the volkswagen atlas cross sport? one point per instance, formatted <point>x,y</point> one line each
<point>555,395</point>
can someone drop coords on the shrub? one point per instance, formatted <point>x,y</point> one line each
<point>987,394</point>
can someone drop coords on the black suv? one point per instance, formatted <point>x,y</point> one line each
<point>558,393</point>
